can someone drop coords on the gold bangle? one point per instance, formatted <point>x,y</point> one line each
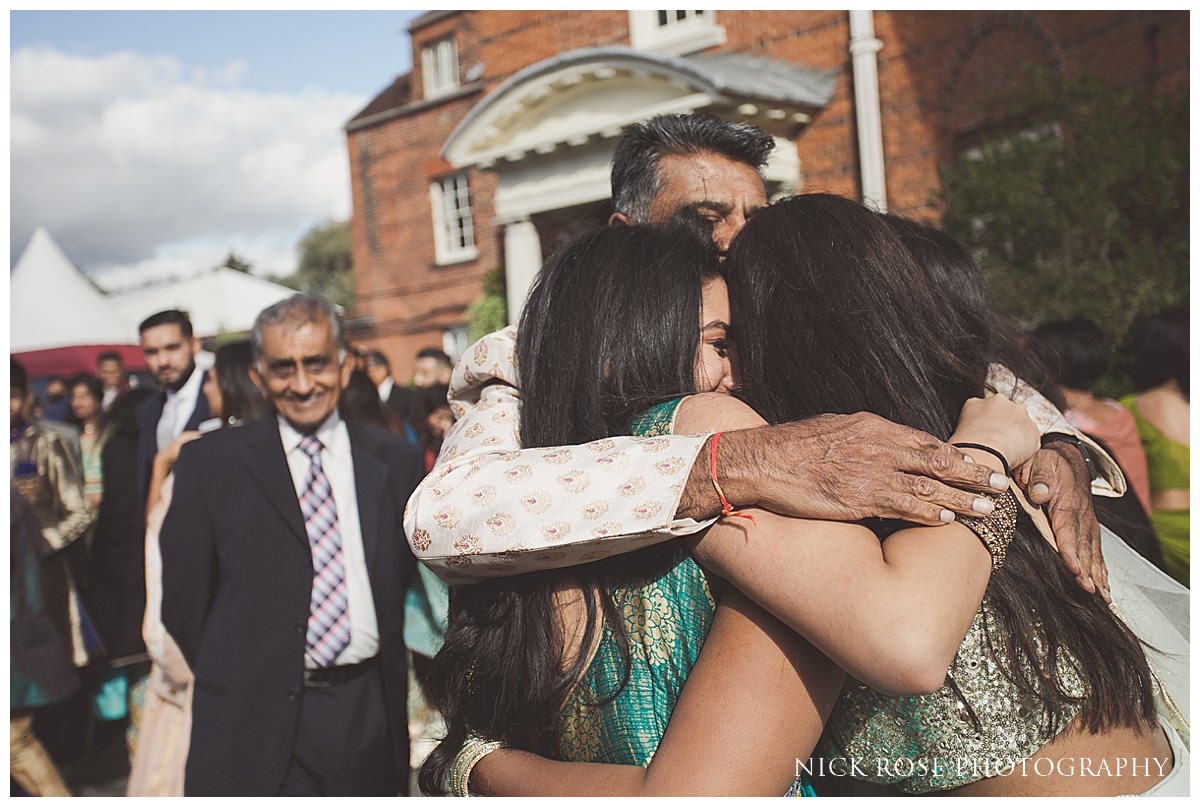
<point>997,529</point>
<point>473,750</point>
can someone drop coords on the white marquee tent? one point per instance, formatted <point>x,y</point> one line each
<point>53,304</point>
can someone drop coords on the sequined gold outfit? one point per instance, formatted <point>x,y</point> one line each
<point>976,725</point>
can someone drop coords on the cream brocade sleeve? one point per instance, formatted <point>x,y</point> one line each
<point>1109,481</point>
<point>491,508</point>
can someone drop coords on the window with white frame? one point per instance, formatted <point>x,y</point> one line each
<point>439,67</point>
<point>453,230</point>
<point>674,32</point>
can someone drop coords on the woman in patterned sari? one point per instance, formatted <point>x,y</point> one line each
<point>610,342</point>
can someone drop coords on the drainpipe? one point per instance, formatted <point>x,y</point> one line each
<point>863,47</point>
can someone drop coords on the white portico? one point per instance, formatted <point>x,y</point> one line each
<point>548,132</point>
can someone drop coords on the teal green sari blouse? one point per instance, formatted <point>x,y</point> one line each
<point>618,716</point>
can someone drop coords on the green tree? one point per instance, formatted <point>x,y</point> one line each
<point>325,266</point>
<point>489,311</point>
<point>1080,205</point>
<point>236,262</point>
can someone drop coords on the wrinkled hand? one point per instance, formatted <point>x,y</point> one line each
<point>850,467</point>
<point>1057,478</point>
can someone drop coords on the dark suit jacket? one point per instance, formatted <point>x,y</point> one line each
<point>148,413</point>
<point>237,579</point>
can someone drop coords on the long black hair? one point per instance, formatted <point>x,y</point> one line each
<point>958,283</point>
<point>241,400</point>
<point>95,388</point>
<point>835,315</point>
<point>610,328</point>
<point>1161,350</point>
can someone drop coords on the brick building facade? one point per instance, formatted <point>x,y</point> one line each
<point>496,145</point>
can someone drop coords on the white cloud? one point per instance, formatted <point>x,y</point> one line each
<point>136,167</point>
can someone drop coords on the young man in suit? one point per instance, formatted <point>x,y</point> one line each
<point>170,352</point>
<point>284,574</point>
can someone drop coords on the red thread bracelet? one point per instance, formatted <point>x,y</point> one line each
<point>726,507</point>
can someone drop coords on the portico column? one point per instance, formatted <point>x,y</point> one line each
<point>522,260</point>
<point>863,47</point>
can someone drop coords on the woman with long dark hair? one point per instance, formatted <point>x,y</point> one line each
<point>158,764</point>
<point>608,342</point>
<point>1067,677</point>
<point>836,317</point>
<point>84,396</point>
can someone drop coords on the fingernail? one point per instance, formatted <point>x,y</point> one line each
<point>982,506</point>
<point>1039,489</point>
<point>998,481</point>
<point>968,458</point>
<point>1091,584</point>
<point>946,516</point>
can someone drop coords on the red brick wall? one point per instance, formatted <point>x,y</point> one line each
<point>932,67</point>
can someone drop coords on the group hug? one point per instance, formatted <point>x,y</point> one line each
<point>761,498</point>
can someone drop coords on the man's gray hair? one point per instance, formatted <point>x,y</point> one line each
<point>635,179</point>
<point>297,309</point>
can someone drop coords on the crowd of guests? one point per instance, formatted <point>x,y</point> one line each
<point>218,564</point>
<point>91,461</point>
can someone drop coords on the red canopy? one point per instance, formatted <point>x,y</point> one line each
<point>76,359</point>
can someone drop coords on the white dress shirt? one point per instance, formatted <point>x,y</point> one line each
<point>338,464</point>
<point>178,409</point>
<point>385,389</point>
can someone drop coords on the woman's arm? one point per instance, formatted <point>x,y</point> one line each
<point>891,614</point>
<point>753,705</point>
<point>164,461</point>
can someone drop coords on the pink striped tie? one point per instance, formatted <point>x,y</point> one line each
<point>329,613</point>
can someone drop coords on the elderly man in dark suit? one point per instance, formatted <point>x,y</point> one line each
<point>284,573</point>
<point>169,348</point>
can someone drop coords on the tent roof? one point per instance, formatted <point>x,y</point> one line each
<point>53,304</point>
<point>219,300</point>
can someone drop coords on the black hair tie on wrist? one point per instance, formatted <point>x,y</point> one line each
<point>990,450</point>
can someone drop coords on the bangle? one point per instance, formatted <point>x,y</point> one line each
<point>1070,439</point>
<point>989,450</point>
<point>726,507</point>
<point>996,530</point>
<point>473,750</point>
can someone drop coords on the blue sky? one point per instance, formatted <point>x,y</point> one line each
<point>349,51</point>
<point>151,143</point>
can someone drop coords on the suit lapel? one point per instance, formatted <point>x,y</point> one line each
<point>370,482</point>
<point>269,469</point>
<point>200,410</point>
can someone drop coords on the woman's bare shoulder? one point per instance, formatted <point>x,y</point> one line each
<point>712,411</point>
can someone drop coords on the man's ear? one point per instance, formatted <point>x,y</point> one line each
<point>619,218</point>
<point>196,346</point>
<point>256,379</point>
<point>347,369</point>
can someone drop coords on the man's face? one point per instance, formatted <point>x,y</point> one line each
<point>429,372</point>
<point>376,372</point>
<point>714,187</point>
<point>300,372</point>
<point>169,355</point>
<point>109,372</point>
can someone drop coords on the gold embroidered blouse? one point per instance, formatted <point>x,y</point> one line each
<point>978,724</point>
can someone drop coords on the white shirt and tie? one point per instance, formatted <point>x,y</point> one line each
<point>338,465</point>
